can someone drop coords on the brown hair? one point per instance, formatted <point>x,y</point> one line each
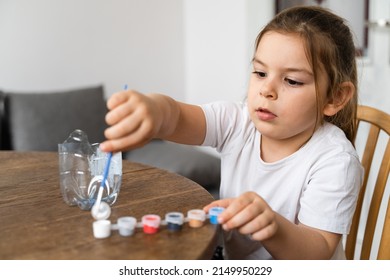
<point>329,46</point>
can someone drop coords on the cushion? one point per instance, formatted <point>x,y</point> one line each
<point>188,161</point>
<point>40,121</point>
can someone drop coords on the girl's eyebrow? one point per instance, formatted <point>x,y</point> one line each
<point>287,69</point>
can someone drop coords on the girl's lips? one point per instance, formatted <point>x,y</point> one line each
<point>264,114</point>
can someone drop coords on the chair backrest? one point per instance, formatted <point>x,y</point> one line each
<point>378,121</point>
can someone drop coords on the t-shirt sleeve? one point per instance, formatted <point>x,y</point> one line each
<point>222,123</point>
<point>328,201</point>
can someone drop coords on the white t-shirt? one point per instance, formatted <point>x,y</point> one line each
<point>317,185</point>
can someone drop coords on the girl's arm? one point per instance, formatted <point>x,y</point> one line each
<point>301,242</point>
<point>135,119</point>
<point>251,215</point>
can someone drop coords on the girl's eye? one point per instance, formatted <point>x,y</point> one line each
<point>260,74</point>
<point>293,82</point>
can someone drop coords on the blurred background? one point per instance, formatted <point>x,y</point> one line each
<point>196,51</point>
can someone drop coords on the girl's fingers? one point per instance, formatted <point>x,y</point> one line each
<point>119,98</point>
<point>234,215</point>
<point>126,104</point>
<point>125,127</point>
<point>127,142</point>
<point>265,232</point>
<point>132,123</point>
<point>258,223</point>
<point>119,113</point>
<point>250,215</point>
<point>239,214</point>
<point>121,144</point>
<point>218,203</point>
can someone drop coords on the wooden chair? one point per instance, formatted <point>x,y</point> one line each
<point>379,121</point>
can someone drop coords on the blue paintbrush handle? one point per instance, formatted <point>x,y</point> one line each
<point>106,169</point>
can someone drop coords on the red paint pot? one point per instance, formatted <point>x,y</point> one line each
<point>151,223</point>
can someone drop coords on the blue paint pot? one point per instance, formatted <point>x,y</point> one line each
<point>214,213</point>
<point>174,221</point>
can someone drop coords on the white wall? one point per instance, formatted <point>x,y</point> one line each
<point>57,44</point>
<point>219,42</point>
<point>193,50</point>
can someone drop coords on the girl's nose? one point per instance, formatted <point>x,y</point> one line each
<point>268,94</point>
<point>268,91</point>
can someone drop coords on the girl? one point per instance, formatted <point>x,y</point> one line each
<point>290,174</point>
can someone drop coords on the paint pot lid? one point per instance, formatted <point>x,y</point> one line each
<point>215,211</point>
<point>127,220</point>
<point>151,220</point>
<point>174,218</point>
<point>102,213</point>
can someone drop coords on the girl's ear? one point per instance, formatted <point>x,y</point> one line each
<point>340,99</point>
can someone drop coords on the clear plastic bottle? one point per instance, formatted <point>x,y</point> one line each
<point>81,166</point>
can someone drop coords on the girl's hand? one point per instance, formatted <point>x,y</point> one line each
<point>249,214</point>
<point>133,119</point>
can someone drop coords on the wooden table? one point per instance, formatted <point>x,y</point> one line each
<point>35,222</point>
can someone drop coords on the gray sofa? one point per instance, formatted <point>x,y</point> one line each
<point>38,121</point>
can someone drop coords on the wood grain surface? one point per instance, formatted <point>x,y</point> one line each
<point>35,222</point>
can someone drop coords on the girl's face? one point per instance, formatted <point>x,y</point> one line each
<point>282,96</point>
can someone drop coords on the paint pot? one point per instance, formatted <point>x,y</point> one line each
<point>196,218</point>
<point>174,221</point>
<point>126,225</point>
<point>151,223</point>
<point>101,228</point>
<point>214,213</point>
